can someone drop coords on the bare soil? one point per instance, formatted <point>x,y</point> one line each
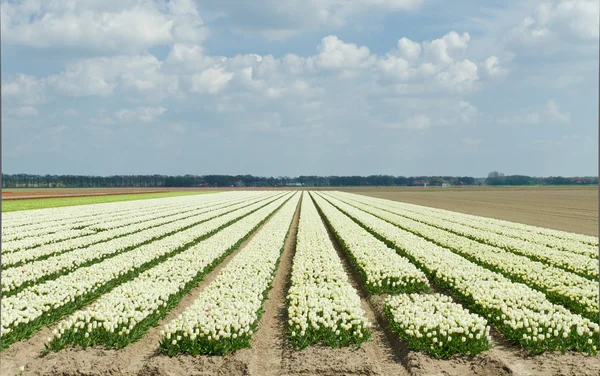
<point>272,355</point>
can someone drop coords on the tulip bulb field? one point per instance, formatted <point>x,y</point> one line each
<point>277,282</point>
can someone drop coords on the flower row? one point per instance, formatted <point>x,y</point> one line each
<point>437,325</point>
<point>577,293</point>
<point>14,279</point>
<point>94,223</point>
<point>45,302</point>
<point>382,269</point>
<point>121,235</point>
<point>131,223</point>
<point>546,240</point>
<point>124,314</point>
<point>441,218</point>
<point>29,219</point>
<point>522,314</point>
<point>226,313</point>
<point>576,263</point>
<point>527,231</point>
<point>322,305</point>
<point>14,246</point>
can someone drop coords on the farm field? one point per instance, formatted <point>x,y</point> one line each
<point>289,282</point>
<point>16,201</point>
<point>573,209</point>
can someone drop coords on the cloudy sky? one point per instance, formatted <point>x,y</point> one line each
<point>326,87</point>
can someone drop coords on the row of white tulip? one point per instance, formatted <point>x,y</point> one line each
<point>28,219</point>
<point>226,313</point>
<point>61,239</point>
<point>108,225</point>
<point>443,218</point>
<point>44,302</point>
<point>526,230</point>
<point>382,269</point>
<point>522,314</point>
<point>437,325</point>
<point>124,314</point>
<point>125,236</point>
<point>575,263</point>
<point>15,278</point>
<point>577,293</point>
<point>11,246</point>
<point>567,245</point>
<point>322,305</point>
<point>96,221</point>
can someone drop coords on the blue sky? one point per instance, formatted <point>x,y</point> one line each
<point>325,87</point>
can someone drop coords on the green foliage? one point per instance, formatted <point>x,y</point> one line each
<point>44,203</point>
<point>471,346</point>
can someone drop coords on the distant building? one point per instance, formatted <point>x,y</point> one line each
<point>446,184</point>
<point>420,182</point>
<point>294,184</point>
<point>239,183</point>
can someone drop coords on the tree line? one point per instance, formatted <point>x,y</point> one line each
<point>143,181</point>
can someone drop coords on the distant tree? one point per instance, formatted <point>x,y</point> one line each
<point>495,174</point>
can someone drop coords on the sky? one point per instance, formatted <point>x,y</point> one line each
<point>300,87</point>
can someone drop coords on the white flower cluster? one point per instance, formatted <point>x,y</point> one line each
<point>13,278</point>
<point>577,243</point>
<point>225,314</point>
<point>75,227</point>
<point>26,220</point>
<point>322,305</point>
<point>522,314</point>
<point>16,245</point>
<point>113,318</point>
<point>31,303</point>
<point>383,269</point>
<point>571,290</point>
<point>432,322</point>
<point>577,263</point>
<point>568,245</point>
<point>28,255</point>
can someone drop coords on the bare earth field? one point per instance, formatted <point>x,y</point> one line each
<point>573,209</point>
<point>570,209</point>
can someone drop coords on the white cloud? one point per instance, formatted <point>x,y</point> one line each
<point>554,112</point>
<point>143,114</point>
<point>279,20</point>
<point>211,81</point>
<point>396,67</point>
<point>24,89</point>
<point>460,77</point>
<point>439,50</point>
<point>467,112</point>
<point>560,20</point>
<point>111,25</point>
<point>102,76</point>
<point>409,49</point>
<point>492,67</point>
<point>551,114</point>
<point>336,54</point>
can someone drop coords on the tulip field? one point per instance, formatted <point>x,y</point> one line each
<point>291,282</point>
